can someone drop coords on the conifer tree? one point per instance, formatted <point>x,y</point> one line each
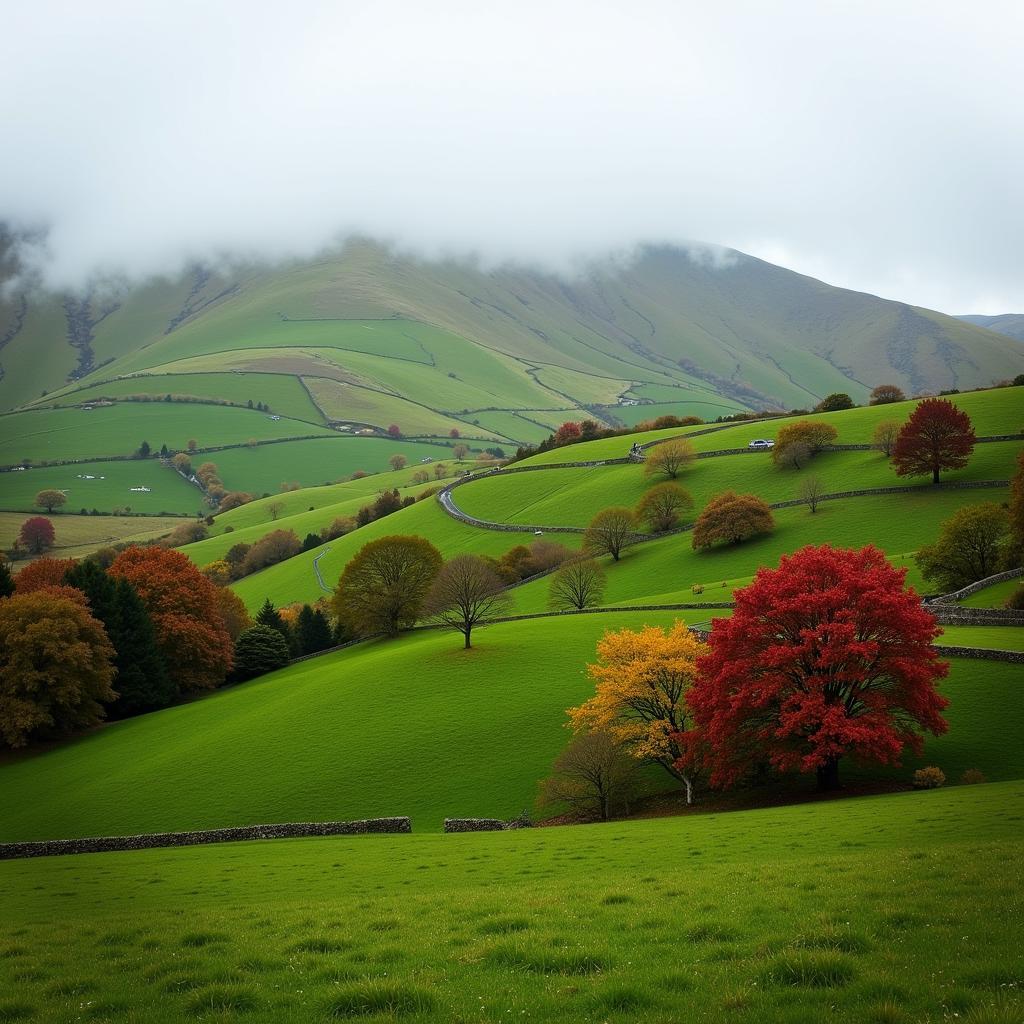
<point>142,682</point>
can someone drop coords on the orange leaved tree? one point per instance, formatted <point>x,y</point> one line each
<point>185,610</point>
<point>55,665</point>
<point>732,517</point>
<point>642,682</point>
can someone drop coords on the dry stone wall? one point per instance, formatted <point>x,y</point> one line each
<point>300,830</point>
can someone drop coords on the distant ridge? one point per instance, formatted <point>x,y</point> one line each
<point>1010,324</point>
<point>669,325</point>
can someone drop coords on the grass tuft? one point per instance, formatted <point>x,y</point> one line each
<point>367,998</point>
<point>223,999</point>
<point>812,969</point>
<point>547,961</point>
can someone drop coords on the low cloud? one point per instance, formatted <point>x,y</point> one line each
<point>878,145</point>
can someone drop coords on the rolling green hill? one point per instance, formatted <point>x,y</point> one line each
<point>374,336</point>
<point>328,744</point>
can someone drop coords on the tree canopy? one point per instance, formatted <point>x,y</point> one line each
<point>642,681</point>
<point>662,505</point>
<point>730,517</point>
<point>184,607</point>
<point>825,657</point>
<point>51,499</point>
<point>260,649</point>
<point>971,545</point>
<point>669,458</point>
<point>56,666</point>
<point>938,436</point>
<point>37,535</point>
<point>383,587</point>
<point>577,583</point>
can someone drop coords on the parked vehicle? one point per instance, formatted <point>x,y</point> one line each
<point>761,444</point>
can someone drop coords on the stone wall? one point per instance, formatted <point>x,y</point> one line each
<point>1016,657</point>
<point>474,825</point>
<point>300,830</point>
<point>958,615</point>
<point>973,588</point>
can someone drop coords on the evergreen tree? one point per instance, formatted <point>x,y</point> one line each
<point>259,649</point>
<point>142,682</point>
<point>6,579</point>
<point>313,634</point>
<point>313,540</point>
<point>144,450</point>
<point>270,616</point>
<point>164,453</point>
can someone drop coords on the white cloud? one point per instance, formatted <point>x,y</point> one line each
<point>878,145</point>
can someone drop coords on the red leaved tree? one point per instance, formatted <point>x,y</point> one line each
<point>185,610</point>
<point>937,436</point>
<point>37,534</point>
<point>825,657</point>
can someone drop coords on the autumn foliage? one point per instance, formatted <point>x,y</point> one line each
<point>938,436</point>
<point>669,458</point>
<point>37,535</point>
<point>825,657</point>
<point>643,681</point>
<point>55,665</point>
<point>185,610</point>
<point>730,518</point>
<point>43,572</point>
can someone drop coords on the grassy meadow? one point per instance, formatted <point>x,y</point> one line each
<point>61,434</point>
<point>898,909</point>
<point>103,486</point>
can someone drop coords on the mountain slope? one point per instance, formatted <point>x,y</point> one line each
<point>1010,324</point>
<point>667,327</point>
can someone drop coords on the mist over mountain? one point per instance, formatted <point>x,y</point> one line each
<point>1010,324</point>
<point>669,320</point>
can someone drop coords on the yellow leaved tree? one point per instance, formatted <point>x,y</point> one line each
<point>642,679</point>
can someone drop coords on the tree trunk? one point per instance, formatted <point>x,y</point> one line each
<point>935,474</point>
<point>828,775</point>
<point>465,633</point>
<point>688,782</point>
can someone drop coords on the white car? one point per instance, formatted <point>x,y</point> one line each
<point>761,444</point>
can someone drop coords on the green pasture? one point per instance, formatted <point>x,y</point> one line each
<point>60,434</point>
<point>110,487</point>
<point>585,388</point>
<point>897,909</point>
<point>994,412</point>
<point>284,394</point>
<point>664,570</point>
<point>521,428</point>
<point>1000,638</point>
<point>328,737</point>
<point>294,580</point>
<point>994,596</point>
<point>707,407</point>
<point>316,461</point>
<point>77,536</point>
<point>340,401</point>
<point>571,497</point>
<point>307,498</point>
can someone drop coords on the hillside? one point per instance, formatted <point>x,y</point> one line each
<point>376,337</point>
<point>1010,324</point>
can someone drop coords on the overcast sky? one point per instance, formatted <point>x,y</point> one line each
<point>878,146</point>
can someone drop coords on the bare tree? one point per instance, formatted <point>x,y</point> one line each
<point>811,491</point>
<point>274,508</point>
<point>610,531</point>
<point>884,437</point>
<point>670,458</point>
<point>593,775</point>
<point>466,593</point>
<point>578,583</point>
